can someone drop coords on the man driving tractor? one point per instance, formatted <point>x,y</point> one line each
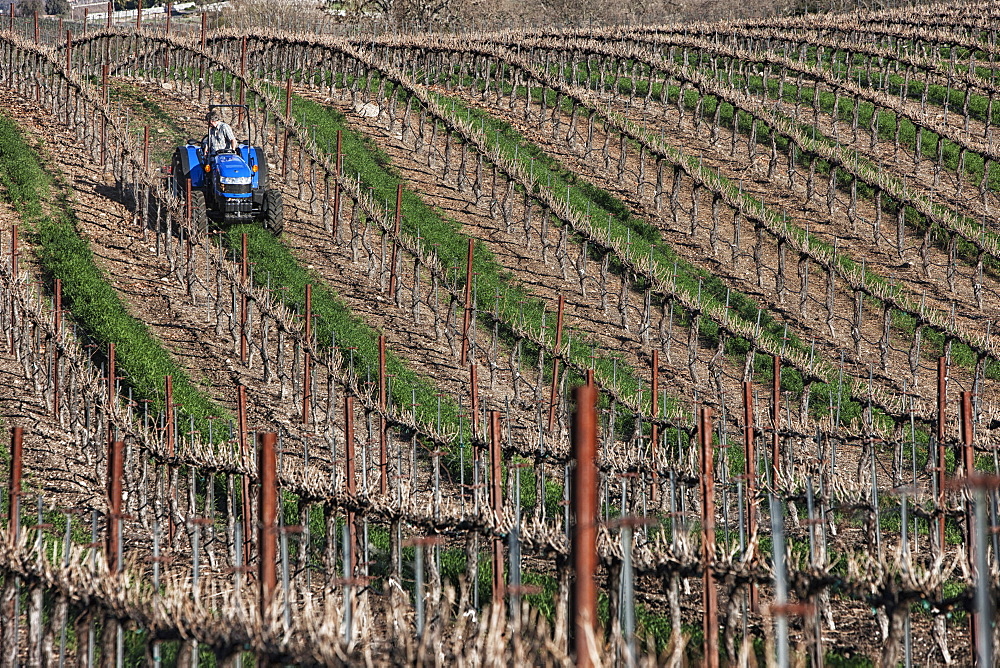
<point>220,135</point>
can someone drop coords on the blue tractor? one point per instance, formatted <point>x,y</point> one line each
<point>226,186</point>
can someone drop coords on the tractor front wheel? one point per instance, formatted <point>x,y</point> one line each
<point>199,212</point>
<point>273,212</point>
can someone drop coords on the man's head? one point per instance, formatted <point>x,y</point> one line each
<point>213,118</point>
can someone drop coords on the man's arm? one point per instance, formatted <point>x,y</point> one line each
<point>230,136</point>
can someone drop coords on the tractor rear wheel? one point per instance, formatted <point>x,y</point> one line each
<point>199,212</point>
<point>273,212</point>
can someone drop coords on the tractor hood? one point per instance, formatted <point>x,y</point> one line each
<point>232,166</point>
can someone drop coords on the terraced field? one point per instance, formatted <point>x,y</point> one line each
<point>755,264</point>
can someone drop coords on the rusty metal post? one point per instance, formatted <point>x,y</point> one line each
<point>86,19</point>
<point>349,465</point>
<point>710,595</point>
<point>942,406</point>
<point>204,28</point>
<point>383,446</point>
<point>268,509</point>
<point>145,146</point>
<point>288,115</point>
<point>116,471</point>
<point>69,49</point>
<point>496,503</point>
<point>138,16</point>
<point>467,318</point>
<point>336,185</point>
<point>776,422</point>
<point>590,377</point>
<point>474,399</point>
<point>170,10</point>
<point>750,468</point>
<point>553,392</point>
<point>57,330</point>
<point>395,244</point>
<point>35,14</point>
<point>241,417</point>
<point>111,13</point>
<point>14,483</point>
<point>584,617</point>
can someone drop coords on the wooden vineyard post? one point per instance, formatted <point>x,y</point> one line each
<point>14,482</point>
<point>336,185</point>
<point>69,49</point>
<point>969,466</point>
<point>584,541</point>
<point>243,74</point>
<point>968,454</point>
<point>168,417</point>
<point>241,399</point>
<point>168,437</point>
<point>268,509</point>
<point>187,201</point>
<point>204,28</point>
<point>383,446</point>
<point>710,595</point>
<point>467,318</point>
<point>394,257</point>
<point>111,392</point>
<point>474,399</point>
<point>288,115</point>
<point>307,358</point>
<point>776,422</point>
<point>750,463</point>
<point>14,254</point>
<point>553,392</point>
<point>145,146</point>
<point>244,276</point>
<point>496,503</point>
<point>942,407</point>
<point>349,466</point>
<point>654,429</point>
<point>57,330</point>
<point>116,472</point>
